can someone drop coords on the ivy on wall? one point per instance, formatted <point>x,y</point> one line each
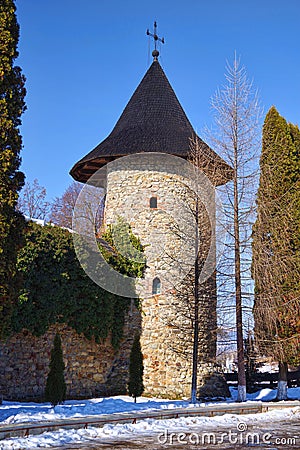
<point>57,290</point>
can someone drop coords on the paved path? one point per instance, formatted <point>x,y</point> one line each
<point>25,429</point>
<point>281,436</point>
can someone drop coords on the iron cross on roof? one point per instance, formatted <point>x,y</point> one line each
<point>155,52</point>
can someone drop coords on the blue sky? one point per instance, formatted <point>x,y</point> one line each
<point>84,58</point>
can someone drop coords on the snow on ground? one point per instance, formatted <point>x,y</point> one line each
<point>148,427</point>
<point>12,412</point>
<point>15,412</point>
<point>267,395</point>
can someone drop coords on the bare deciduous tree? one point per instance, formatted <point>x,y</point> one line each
<point>236,136</point>
<point>195,317</point>
<point>202,243</point>
<point>62,208</point>
<point>32,201</point>
<point>89,203</point>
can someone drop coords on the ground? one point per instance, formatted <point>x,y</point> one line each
<point>13,412</point>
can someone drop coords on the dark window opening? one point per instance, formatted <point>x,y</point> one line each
<point>156,286</point>
<point>153,202</point>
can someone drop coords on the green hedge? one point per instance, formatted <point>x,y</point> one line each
<point>57,290</point>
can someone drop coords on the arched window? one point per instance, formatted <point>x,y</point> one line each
<point>156,286</point>
<point>153,202</point>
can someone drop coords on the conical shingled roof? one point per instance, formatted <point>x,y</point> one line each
<point>153,121</point>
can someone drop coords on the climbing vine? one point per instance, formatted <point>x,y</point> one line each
<point>57,290</point>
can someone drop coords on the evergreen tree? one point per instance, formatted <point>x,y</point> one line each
<point>136,369</point>
<point>55,392</point>
<point>276,246</point>
<point>57,290</point>
<point>12,93</point>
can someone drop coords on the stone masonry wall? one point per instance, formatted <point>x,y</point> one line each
<point>168,235</point>
<point>91,369</point>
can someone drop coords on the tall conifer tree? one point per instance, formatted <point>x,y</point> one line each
<point>55,391</point>
<point>136,369</point>
<point>12,105</point>
<point>236,136</point>
<point>276,246</point>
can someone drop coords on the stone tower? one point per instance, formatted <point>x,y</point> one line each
<point>150,184</point>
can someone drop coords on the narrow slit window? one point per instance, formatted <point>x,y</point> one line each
<point>153,202</point>
<point>156,286</point>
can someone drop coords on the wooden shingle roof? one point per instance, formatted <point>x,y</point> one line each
<point>152,121</point>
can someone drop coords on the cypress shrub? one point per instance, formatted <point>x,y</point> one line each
<point>136,369</point>
<point>55,392</point>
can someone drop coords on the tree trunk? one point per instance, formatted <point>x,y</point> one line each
<point>238,290</point>
<point>282,381</point>
<point>196,311</point>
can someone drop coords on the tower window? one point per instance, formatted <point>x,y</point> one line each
<point>153,202</point>
<point>156,286</point>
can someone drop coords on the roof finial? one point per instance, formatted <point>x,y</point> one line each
<point>155,52</point>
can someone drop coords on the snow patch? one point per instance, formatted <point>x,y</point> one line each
<point>15,412</point>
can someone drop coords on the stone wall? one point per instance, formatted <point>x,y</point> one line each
<point>91,369</point>
<point>168,233</point>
